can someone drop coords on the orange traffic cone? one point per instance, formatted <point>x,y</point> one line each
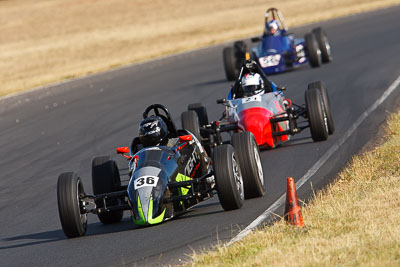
<point>292,208</point>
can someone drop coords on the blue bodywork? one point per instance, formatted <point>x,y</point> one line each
<point>279,52</point>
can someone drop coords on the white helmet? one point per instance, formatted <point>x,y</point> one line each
<point>273,26</point>
<point>252,84</point>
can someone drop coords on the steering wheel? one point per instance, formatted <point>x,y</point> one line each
<point>166,116</point>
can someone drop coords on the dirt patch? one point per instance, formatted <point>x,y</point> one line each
<point>45,41</point>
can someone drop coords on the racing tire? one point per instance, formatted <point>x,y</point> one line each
<point>316,115</point>
<point>228,177</point>
<point>241,48</point>
<point>190,122</point>
<point>325,99</point>
<point>313,51</point>
<point>69,191</point>
<point>201,112</point>
<point>248,155</point>
<point>106,179</point>
<point>323,43</point>
<point>230,63</point>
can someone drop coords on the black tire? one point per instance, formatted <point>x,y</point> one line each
<point>312,49</point>
<point>201,112</point>
<point>316,115</point>
<point>230,63</point>
<point>240,48</point>
<point>228,178</point>
<point>327,104</point>
<point>106,179</point>
<point>323,43</point>
<point>190,122</point>
<point>248,154</point>
<point>69,191</point>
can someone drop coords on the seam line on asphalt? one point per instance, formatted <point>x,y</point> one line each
<point>280,201</point>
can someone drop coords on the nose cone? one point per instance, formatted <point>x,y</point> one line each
<point>146,207</point>
<point>145,193</point>
<point>256,120</point>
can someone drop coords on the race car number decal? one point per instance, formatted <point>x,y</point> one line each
<point>269,61</point>
<point>255,98</point>
<point>146,181</point>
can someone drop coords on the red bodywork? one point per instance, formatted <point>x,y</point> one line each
<point>257,121</point>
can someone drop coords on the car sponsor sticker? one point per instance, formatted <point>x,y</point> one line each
<point>254,98</point>
<point>269,61</point>
<point>152,148</point>
<point>146,181</point>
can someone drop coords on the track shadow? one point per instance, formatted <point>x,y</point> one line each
<point>200,210</point>
<point>58,235</point>
<point>196,213</point>
<point>219,81</point>
<point>291,143</point>
<point>39,238</point>
<point>298,141</point>
<point>102,229</point>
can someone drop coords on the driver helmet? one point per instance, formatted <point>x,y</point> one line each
<point>252,84</point>
<point>272,27</point>
<point>153,131</point>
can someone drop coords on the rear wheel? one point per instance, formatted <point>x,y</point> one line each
<point>228,177</point>
<point>190,122</point>
<point>316,115</point>
<point>325,99</point>
<point>106,179</point>
<point>201,112</point>
<point>312,49</point>
<point>248,154</point>
<point>70,205</point>
<point>323,44</point>
<point>230,63</point>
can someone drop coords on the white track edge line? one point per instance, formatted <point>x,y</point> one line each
<point>317,165</point>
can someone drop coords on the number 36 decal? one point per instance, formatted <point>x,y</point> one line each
<point>146,181</point>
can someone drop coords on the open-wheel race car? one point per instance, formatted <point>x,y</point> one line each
<point>169,172</point>
<point>268,115</point>
<point>278,50</point>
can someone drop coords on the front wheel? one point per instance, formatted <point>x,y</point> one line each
<point>316,115</point>
<point>228,177</point>
<point>71,209</point>
<point>250,163</point>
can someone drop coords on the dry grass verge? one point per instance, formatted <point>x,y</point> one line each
<point>355,221</point>
<point>44,41</point>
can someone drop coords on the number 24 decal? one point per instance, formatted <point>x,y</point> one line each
<point>255,98</point>
<point>146,181</point>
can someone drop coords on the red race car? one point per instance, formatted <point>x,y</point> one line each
<point>257,105</point>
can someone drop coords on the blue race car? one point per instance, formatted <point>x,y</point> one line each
<point>278,50</point>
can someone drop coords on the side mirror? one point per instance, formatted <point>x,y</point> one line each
<point>281,88</point>
<point>185,138</point>
<point>122,150</point>
<point>255,39</point>
<point>221,101</point>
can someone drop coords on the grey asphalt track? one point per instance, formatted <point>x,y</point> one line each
<point>61,128</point>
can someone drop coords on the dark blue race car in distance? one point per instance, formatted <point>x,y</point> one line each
<point>277,50</point>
